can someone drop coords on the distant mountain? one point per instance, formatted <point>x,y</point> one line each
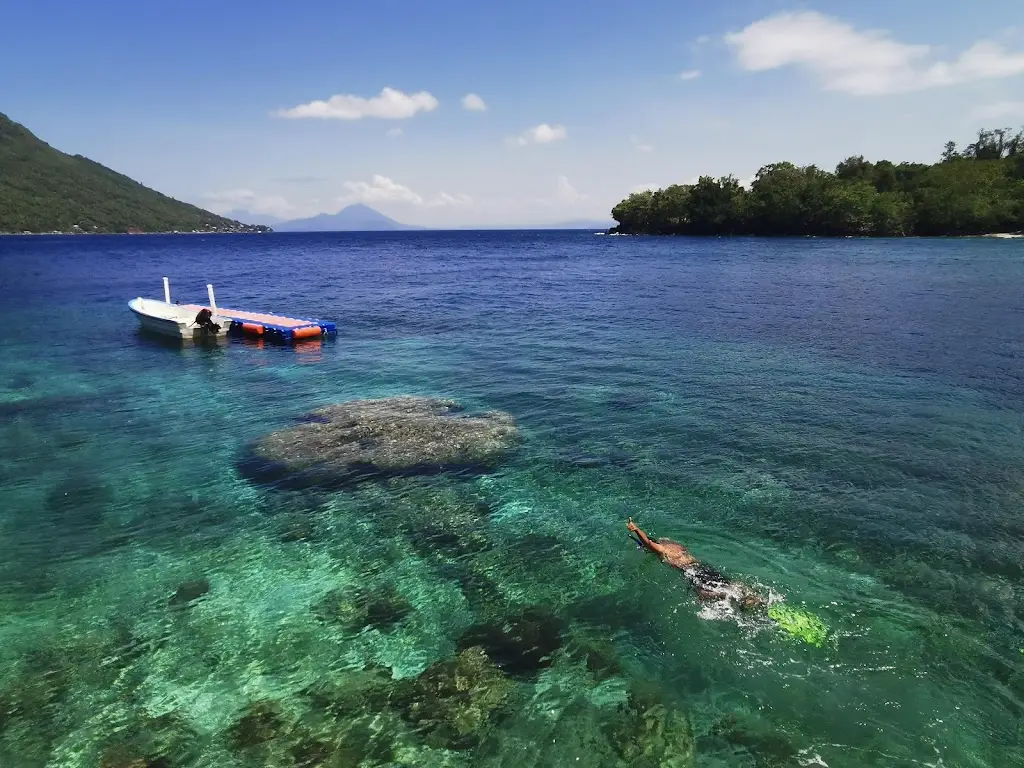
<point>354,218</point>
<point>44,190</point>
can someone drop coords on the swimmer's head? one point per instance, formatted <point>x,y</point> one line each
<point>751,601</point>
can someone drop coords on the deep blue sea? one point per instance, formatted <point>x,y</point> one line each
<point>839,423</point>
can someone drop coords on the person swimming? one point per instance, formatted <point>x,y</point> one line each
<point>710,585</point>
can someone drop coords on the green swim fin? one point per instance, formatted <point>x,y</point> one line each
<point>802,625</point>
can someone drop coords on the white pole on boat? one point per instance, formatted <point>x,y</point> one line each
<point>213,301</point>
<point>167,291</point>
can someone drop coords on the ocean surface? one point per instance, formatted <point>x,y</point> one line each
<point>839,424</point>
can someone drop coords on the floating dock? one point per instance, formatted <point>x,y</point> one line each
<point>277,327</point>
<point>184,321</point>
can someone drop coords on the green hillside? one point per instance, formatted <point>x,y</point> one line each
<point>43,190</point>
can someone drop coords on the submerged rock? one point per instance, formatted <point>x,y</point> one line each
<point>125,756</point>
<point>366,691</point>
<point>480,590</point>
<point>432,538</point>
<point>647,734</point>
<point>378,607</point>
<point>519,645</point>
<point>612,612</point>
<point>448,524</point>
<point>768,747</point>
<point>262,722</point>
<point>364,741</point>
<point>393,436</point>
<point>310,753</point>
<point>576,459</point>
<point>597,653</point>
<point>21,380</point>
<point>537,548</point>
<point>386,609</point>
<point>38,689</point>
<point>299,530</point>
<point>188,592</point>
<point>439,518</point>
<point>79,500</point>
<point>455,701</point>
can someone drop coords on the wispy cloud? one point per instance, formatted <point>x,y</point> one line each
<point>644,188</point>
<point>639,145</point>
<point>862,62</point>
<point>227,200</point>
<point>689,74</point>
<point>230,195</point>
<point>382,189</point>
<point>444,200</point>
<point>389,104</point>
<point>394,133</point>
<point>565,191</point>
<point>299,179</point>
<point>473,103</point>
<point>541,134</point>
<point>1000,110</point>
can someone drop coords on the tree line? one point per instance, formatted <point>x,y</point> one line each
<point>978,190</point>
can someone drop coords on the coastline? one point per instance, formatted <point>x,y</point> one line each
<point>167,232</point>
<point>990,235</point>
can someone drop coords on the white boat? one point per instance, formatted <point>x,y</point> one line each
<point>169,319</point>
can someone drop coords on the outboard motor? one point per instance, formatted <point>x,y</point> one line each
<point>205,321</point>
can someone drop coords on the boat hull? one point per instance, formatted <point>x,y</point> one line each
<point>170,320</point>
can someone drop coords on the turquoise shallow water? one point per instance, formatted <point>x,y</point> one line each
<point>839,423</point>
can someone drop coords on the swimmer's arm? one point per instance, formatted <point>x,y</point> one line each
<point>644,538</point>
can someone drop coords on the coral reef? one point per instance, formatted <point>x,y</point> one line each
<point>455,701</point>
<point>350,441</point>
<point>520,645</point>
<point>647,734</point>
<point>261,722</point>
<point>377,606</point>
<point>188,592</point>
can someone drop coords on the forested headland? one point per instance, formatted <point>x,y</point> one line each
<point>44,190</point>
<point>978,190</point>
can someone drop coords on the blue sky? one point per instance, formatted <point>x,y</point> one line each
<point>291,109</point>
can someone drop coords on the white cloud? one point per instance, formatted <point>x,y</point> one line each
<point>640,145</point>
<point>394,133</point>
<point>444,200</point>
<point>565,198</point>
<point>473,103</point>
<point>1001,110</point>
<point>389,104</point>
<point>689,74</point>
<point>703,39</point>
<point>861,62</point>
<point>541,134</point>
<point>228,200</point>
<point>565,191</point>
<point>381,189</point>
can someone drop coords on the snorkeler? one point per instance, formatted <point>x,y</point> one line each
<point>709,583</point>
